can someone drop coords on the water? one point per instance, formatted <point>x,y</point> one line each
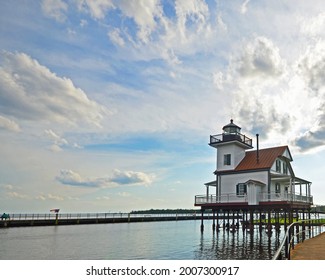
<point>173,240</point>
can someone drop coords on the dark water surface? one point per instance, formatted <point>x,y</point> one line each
<point>173,240</point>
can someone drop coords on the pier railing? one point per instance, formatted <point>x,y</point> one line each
<point>67,216</point>
<point>309,229</point>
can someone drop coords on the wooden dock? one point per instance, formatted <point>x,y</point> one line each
<point>310,249</point>
<point>24,220</point>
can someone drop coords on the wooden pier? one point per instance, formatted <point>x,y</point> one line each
<point>24,220</point>
<point>311,249</point>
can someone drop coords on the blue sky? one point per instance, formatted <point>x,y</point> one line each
<point>108,105</point>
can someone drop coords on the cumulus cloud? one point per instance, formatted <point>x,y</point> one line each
<point>144,13</point>
<point>261,57</point>
<point>311,68</point>
<point>8,124</point>
<point>271,97</point>
<point>69,177</point>
<point>30,91</point>
<point>130,177</point>
<point>254,79</point>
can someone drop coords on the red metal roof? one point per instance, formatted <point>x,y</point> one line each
<point>266,158</point>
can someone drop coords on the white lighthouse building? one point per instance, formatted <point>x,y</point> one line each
<point>247,178</point>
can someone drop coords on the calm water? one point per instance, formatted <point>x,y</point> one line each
<point>178,240</point>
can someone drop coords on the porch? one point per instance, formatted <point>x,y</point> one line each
<point>232,198</point>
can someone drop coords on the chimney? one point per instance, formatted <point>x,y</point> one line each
<point>257,150</point>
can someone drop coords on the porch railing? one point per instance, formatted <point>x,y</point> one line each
<point>226,198</point>
<point>285,197</point>
<point>262,197</point>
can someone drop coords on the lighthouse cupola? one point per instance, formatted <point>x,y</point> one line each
<point>231,133</point>
<point>231,128</point>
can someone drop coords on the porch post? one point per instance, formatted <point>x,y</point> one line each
<point>300,190</point>
<point>219,187</point>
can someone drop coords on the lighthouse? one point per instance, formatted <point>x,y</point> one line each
<point>260,180</point>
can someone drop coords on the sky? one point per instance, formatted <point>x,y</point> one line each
<point>107,105</point>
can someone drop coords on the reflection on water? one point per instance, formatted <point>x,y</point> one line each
<point>239,245</point>
<point>177,240</point>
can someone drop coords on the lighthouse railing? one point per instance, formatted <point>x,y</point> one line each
<point>225,137</point>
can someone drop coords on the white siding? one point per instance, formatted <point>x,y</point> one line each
<point>287,154</point>
<point>237,154</point>
<point>229,182</point>
<point>253,193</point>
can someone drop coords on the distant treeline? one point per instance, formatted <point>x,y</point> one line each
<point>166,211</point>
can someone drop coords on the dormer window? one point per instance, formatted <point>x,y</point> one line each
<point>278,165</point>
<point>285,168</point>
<point>227,159</point>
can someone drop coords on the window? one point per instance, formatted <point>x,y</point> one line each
<point>285,168</point>
<point>278,165</point>
<point>227,159</point>
<point>241,189</point>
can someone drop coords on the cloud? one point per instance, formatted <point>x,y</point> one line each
<point>116,38</point>
<point>69,177</point>
<point>16,195</point>
<point>253,79</point>
<point>96,8</point>
<point>55,138</point>
<point>50,196</point>
<point>243,8</point>
<point>311,139</point>
<point>260,58</point>
<point>146,30</point>
<point>130,177</point>
<point>144,13</point>
<point>124,194</point>
<point>30,91</point>
<point>103,197</point>
<point>55,9</point>
<point>311,68</point>
<point>8,124</point>
<point>314,26</point>
<point>59,142</point>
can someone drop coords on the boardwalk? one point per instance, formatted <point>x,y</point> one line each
<point>311,249</point>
